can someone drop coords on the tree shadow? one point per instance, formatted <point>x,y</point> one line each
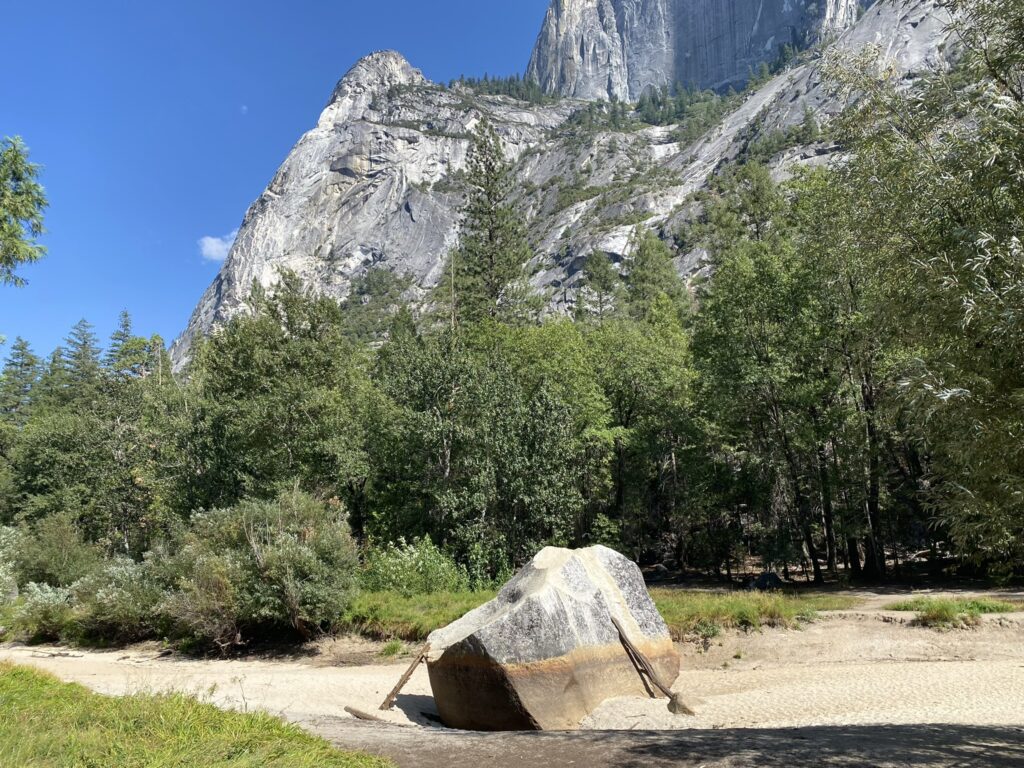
<point>828,746</point>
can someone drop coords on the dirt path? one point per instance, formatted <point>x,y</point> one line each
<point>855,689</point>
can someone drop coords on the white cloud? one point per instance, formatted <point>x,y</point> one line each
<point>217,248</point>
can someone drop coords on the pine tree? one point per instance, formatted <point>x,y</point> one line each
<point>22,202</point>
<point>601,286</point>
<point>82,355</point>
<point>494,248</point>
<point>652,276</point>
<point>127,354</point>
<point>20,374</point>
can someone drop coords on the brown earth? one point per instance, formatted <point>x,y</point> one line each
<point>857,688</point>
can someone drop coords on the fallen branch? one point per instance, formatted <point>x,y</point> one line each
<point>389,702</point>
<point>360,715</point>
<point>644,667</point>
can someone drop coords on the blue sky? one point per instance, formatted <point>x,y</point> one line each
<point>158,123</point>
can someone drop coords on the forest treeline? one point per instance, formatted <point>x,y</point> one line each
<point>843,395</point>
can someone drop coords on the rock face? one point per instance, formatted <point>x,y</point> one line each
<point>595,49</point>
<point>376,184</point>
<point>544,653</point>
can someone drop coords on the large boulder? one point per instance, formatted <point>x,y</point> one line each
<point>544,653</point>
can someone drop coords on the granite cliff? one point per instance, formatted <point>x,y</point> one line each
<point>619,48</point>
<point>376,183</point>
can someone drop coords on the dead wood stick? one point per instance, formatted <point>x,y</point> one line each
<point>675,704</point>
<point>358,714</point>
<point>389,702</point>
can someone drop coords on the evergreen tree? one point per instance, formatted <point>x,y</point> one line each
<point>483,270</point>
<point>22,202</point>
<point>127,354</point>
<point>652,276</point>
<point>82,355</point>
<point>601,287</point>
<point>20,375</point>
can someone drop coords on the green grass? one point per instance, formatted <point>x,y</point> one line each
<point>388,616</point>
<point>706,614</point>
<point>392,648</point>
<point>45,723</point>
<point>947,613</point>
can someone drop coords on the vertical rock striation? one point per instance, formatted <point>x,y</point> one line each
<point>620,48</point>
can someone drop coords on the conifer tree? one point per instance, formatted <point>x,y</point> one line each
<point>22,202</point>
<point>494,248</point>
<point>652,276</point>
<point>20,374</point>
<point>127,354</point>
<point>82,354</point>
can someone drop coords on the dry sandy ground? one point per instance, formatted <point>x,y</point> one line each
<point>857,688</point>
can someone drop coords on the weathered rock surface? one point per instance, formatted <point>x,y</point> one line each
<point>619,48</point>
<point>376,184</point>
<point>544,653</point>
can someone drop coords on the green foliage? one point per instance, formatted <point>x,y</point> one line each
<point>484,273</point>
<point>515,86</point>
<point>280,398</point>
<point>601,291</point>
<point>652,283</point>
<point>53,551</point>
<point>22,202</point>
<point>119,603</point>
<point>417,568</point>
<point>43,612</point>
<point>47,724</point>
<point>10,541</point>
<point>286,565</point>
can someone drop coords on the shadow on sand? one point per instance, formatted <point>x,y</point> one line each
<point>903,746</point>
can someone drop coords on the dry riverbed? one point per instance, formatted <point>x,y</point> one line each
<point>860,687</point>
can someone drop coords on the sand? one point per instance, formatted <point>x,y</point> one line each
<point>848,673</point>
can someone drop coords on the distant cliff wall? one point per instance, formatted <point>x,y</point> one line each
<point>619,48</point>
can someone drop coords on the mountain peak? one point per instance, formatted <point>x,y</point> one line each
<point>380,69</point>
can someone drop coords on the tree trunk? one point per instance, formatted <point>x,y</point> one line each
<point>827,512</point>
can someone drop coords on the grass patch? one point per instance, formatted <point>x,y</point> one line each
<point>49,723</point>
<point>706,614</point>
<point>950,613</point>
<point>392,648</point>
<point>390,616</point>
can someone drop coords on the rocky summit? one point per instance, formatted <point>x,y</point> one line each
<point>377,183</point>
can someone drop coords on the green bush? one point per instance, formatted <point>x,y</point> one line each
<point>9,543</point>
<point>286,565</point>
<point>119,603</point>
<point>44,613</point>
<point>53,551</point>
<point>419,568</point>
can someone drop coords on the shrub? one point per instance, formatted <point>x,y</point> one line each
<point>53,551</point>
<point>288,564</point>
<point>9,544</point>
<point>118,603</point>
<point>419,568</point>
<point>44,613</point>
